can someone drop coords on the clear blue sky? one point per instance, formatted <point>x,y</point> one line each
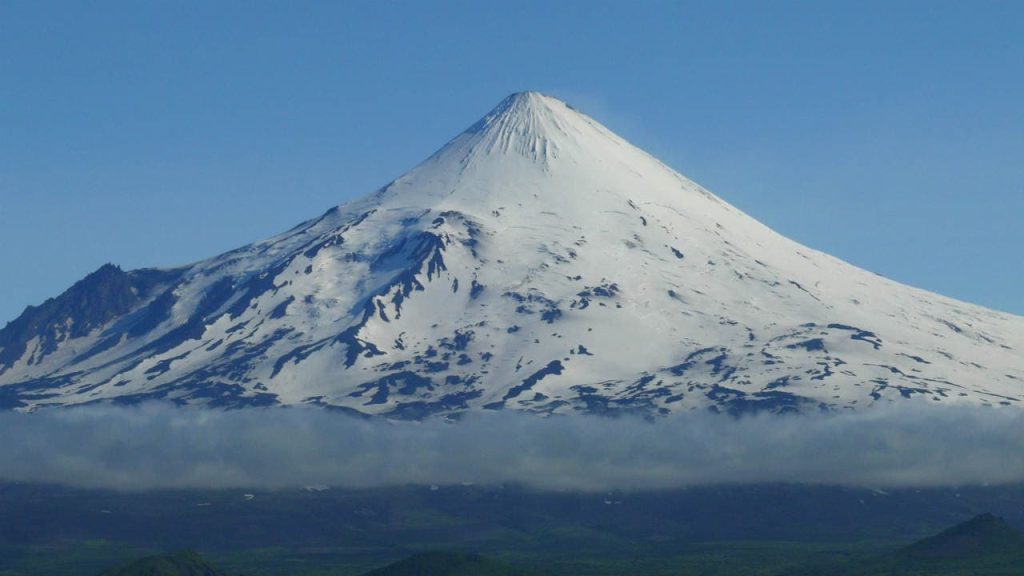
<point>890,134</point>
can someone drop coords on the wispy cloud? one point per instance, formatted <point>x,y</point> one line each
<point>158,446</point>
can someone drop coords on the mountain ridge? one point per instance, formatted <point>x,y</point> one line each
<point>539,262</point>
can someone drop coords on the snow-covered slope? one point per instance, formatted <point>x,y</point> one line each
<point>536,262</point>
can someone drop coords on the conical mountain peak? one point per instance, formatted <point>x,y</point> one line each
<point>529,124</point>
<point>531,143</point>
<point>536,262</point>
<point>527,109</point>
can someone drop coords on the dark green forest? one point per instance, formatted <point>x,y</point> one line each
<point>771,530</point>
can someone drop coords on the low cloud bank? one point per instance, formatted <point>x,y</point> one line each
<point>157,446</point>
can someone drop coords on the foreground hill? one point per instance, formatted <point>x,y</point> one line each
<point>983,546</point>
<point>183,563</point>
<point>536,262</point>
<point>446,564</point>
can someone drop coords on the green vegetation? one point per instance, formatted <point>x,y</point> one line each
<point>446,564</point>
<point>739,531</point>
<point>983,546</point>
<point>182,563</point>
<point>967,552</point>
<point>984,535</point>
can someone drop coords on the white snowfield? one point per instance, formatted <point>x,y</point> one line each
<point>536,262</point>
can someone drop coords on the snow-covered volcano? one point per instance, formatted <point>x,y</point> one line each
<point>536,262</point>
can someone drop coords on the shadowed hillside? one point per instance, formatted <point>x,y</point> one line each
<point>982,546</point>
<point>182,563</point>
<point>446,564</point>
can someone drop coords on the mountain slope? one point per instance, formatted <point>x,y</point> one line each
<point>536,262</point>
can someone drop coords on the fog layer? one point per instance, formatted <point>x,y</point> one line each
<point>157,446</point>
